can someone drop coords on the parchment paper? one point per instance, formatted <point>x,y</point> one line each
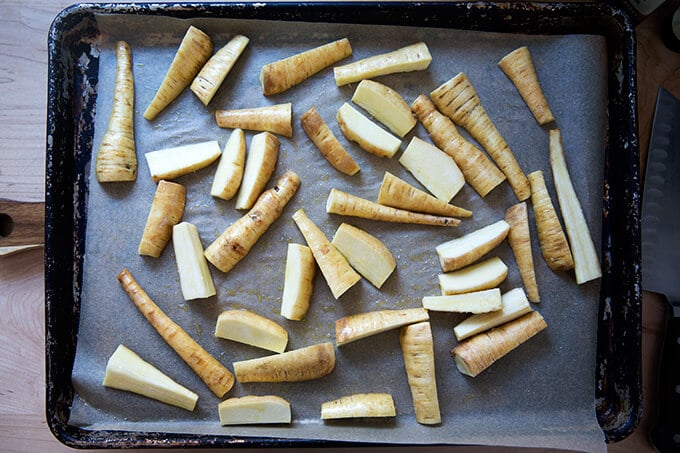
<point>541,394</point>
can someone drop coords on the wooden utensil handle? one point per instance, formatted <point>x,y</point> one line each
<point>21,223</point>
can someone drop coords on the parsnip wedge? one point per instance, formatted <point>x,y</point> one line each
<point>514,305</point>
<point>167,209</point>
<point>359,405</point>
<point>125,370</point>
<point>213,73</point>
<point>229,171</point>
<point>323,138</point>
<point>520,242</point>
<point>485,301</point>
<point>194,274</point>
<point>433,168</point>
<point>367,254</point>
<point>385,105</point>
<point>415,57</point>
<point>171,163</point>
<point>305,364</point>
<point>298,282</point>
<point>483,275</point>
<point>467,249</point>
<point>355,327</point>
<point>368,135</point>
<point>276,119</point>
<point>250,328</point>
<point>260,164</point>
<point>254,410</point>
<point>417,348</point>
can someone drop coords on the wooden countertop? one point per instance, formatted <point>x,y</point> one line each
<point>23,72</point>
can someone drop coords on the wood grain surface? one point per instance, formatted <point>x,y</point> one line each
<point>23,72</point>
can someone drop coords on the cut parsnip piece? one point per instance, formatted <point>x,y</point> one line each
<point>467,249</point>
<point>260,164</point>
<point>364,132</point>
<point>433,168</point>
<point>586,260</point>
<point>326,142</point>
<point>237,240</point>
<point>218,379</point>
<point>343,203</point>
<point>171,163</point>
<point>250,328</point>
<point>365,253</point>
<point>484,275</point>
<point>479,171</point>
<point>362,325</point>
<point>520,243</point>
<point>208,81</point>
<point>254,410</point>
<point>305,364</point>
<point>276,119</point>
<point>359,405</point>
<point>418,351</point>
<point>117,156</point>
<point>194,274</point>
<point>281,75</point>
<point>554,245</point>
<point>458,99</point>
<point>415,57</point>
<point>230,168</point>
<point>298,282</point>
<point>337,272</point>
<point>478,353</point>
<point>519,68</point>
<point>125,370</point>
<point>385,105</point>
<point>167,209</point>
<point>515,304</point>
<point>194,50</point>
<point>476,302</point>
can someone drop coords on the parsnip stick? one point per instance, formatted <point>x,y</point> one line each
<point>355,327</point>
<point>212,372</point>
<point>385,105</point>
<point>520,242</point>
<point>476,354</point>
<point>167,209</point>
<point>345,204</point>
<point>359,405</point>
<point>337,272</point>
<point>418,352</point>
<point>194,275</point>
<point>458,99</point>
<point>485,301</point>
<point>554,245</point>
<point>467,249</point>
<point>281,75</point>
<point>252,409</point>
<point>519,68</point>
<point>117,157</point>
<point>305,364</point>
<point>260,164</point>
<point>250,328</point>
<point>323,138</point>
<point>237,240</point>
<point>208,81</point>
<point>298,282</point>
<point>229,171</point>
<point>276,119</point>
<point>586,260</point>
<point>194,50</point>
<point>478,170</point>
<point>476,277</point>
<point>358,128</point>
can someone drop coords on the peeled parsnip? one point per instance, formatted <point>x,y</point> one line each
<point>385,105</point>
<point>260,164</point>
<point>520,243</point>
<point>305,364</point>
<point>515,304</point>
<point>357,128</point>
<point>117,157</point>
<point>467,249</point>
<point>320,134</point>
<point>167,209</point>
<point>355,327</point>
<point>229,171</point>
<point>359,405</point>
<point>250,328</point>
<point>194,274</point>
<point>254,410</point>
<point>298,282</point>
<point>476,277</point>
<point>488,300</point>
<point>208,81</point>
<point>276,119</point>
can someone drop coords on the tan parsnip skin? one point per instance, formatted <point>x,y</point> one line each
<point>276,119</point>
<point>323,138</point>
<point>213,73</point>
<point>117,157</point>
<point>361,325</point>
<point>519,239</point>
<point>213,373</point>
<point>167,209</point>
<point>359,405</point>
<point>305,364</point>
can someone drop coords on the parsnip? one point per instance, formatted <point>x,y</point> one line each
<point>359,405</point>
<point>350,205</point>
<point>586,260</point>
<point>254,410</point>
<point>484,301</point>
<point>476,277</point>
<point>213,373</point>
<point>356,327</point>
<point>237,240</point>
<point>520,242</point>
<point>467,249</point>
<point>335,269</point>
<point>209,80</point>
<point>554,245</point>
<point>260,164</point>
<point>385,105</point>
<point>415,57</point>
<point>276,119</point>
<point>250,328</point>
<point>281,75</point>
<point>519,67</point>
<point>478,170</point>
<point>229,171</point>
<point>305,364</point>
<point>418,351</point>
<point>326,142</point>
<point>167,209</point>
<point>194,274</point>
<point>298,282</point>
<point>194,50</point>
<point>369,136</point>
<point>117,156</point>
<point>171,163</point>
<point>515,304</point>
<point>476,354</point>
<point>458,99</point>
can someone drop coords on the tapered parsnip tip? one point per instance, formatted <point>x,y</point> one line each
<point>519,239</point>
<point>213,73</point>
<point>326,142</point>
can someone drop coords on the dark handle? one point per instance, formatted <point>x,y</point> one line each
<point>21,223</point>
<point>665,435</point>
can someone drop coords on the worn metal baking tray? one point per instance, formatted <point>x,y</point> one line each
<point>72,99</point>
